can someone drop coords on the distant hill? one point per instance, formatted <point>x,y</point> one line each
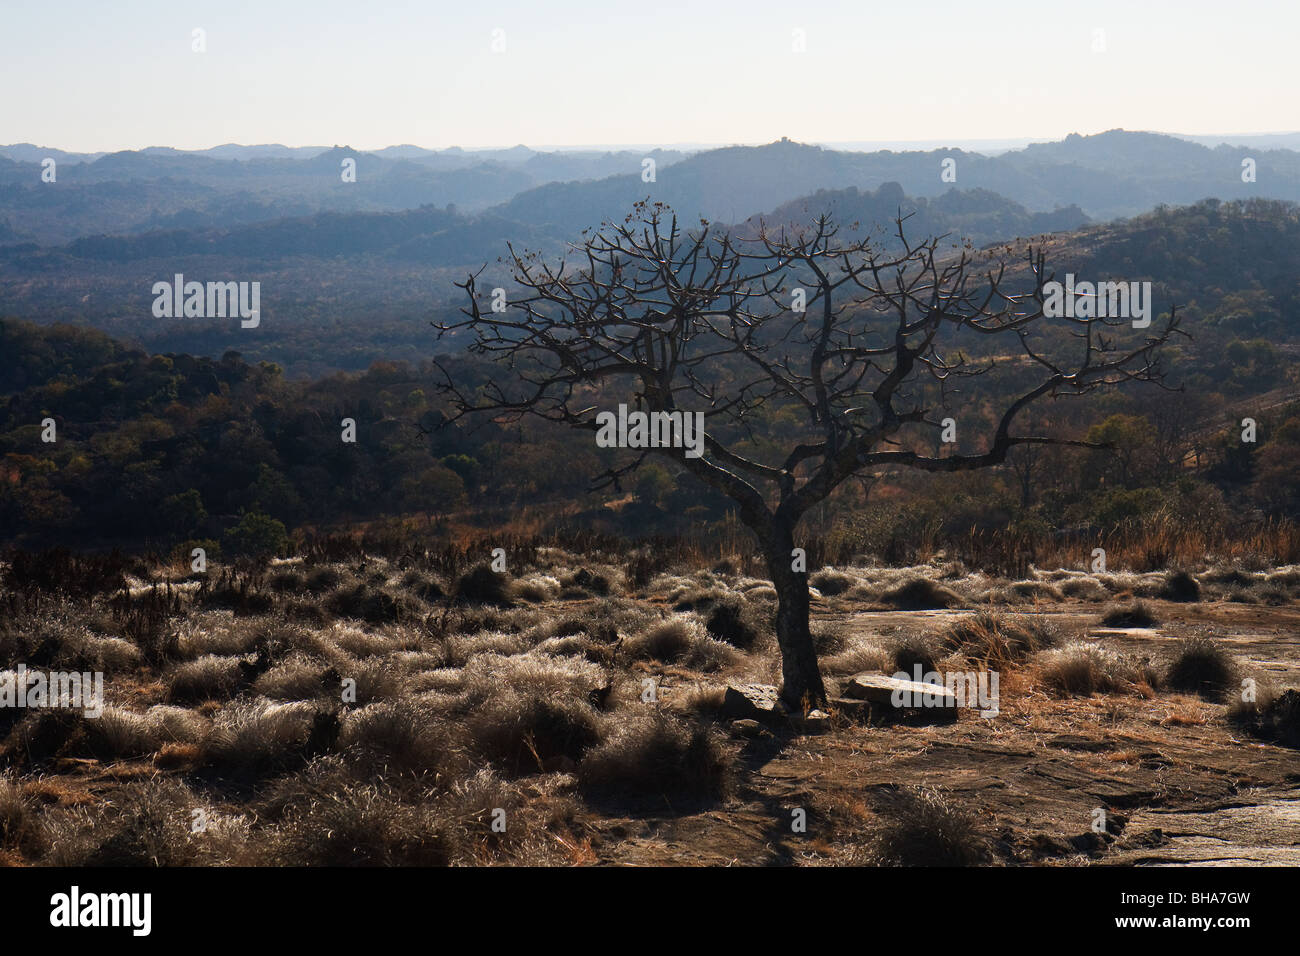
<point>343,289</point>
<point>1107,175</point>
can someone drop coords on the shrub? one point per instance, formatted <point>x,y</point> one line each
<point>680,639</point>
<point>524,732</point>
<point>1084,589</point>
<point>147,824</point>
<point>360,826</point>
<point>397,736</point>
<point>1271,716</point>
<point>831,582</point>
<point>915,649</point>
<point>255,738</point>
<point>1137,614</point>
<point>654,756</point>
<point>1199,665</point>
<point>923,829</point>
<point>1180,586</point>
<point>994,639</point>
<point>257,535</point>
<point>920,594</point>
<point>207,678</point>
<point>733,621</point>
<point>1085,669</point>
<point>526,712</point>
<point>482,585</point>
<point>366,603</point>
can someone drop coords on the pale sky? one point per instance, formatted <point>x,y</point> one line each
<point>92,75</point>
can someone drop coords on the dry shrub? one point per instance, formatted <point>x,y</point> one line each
<point>734,621</point>
<point>367,603</point>
<point>298,677</point>
<point>829,637</point>
<point>703,700</point>
<point>1199,665</point>
<point>536,589</point>
<point>1180,586</point>
<point>256,737</point>
<point>145,824</point>
<point>921,594</point>
<point>208,678</point>
<point>400,736</point>
<point>1271,716</point>
<point>1081,670</point>
<point>1084,589</point>
<point>858,657</point>
<point>922,828</point>
<point>482,585</point>
<point>19,822</point>
<point>459,649</point>
<point>653,757</point>
<point>915,649</point>
<point>360,825</point>
<point>832,583</point>
<point>680,639</point>
<point>1137,614</point>
<point>526,712</point>
<point>998,640</point>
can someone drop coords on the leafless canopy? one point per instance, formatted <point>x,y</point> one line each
<point>705,320</point>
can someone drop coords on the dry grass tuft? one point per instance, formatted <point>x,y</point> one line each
<point>657,758</point>
<point>922,828</point>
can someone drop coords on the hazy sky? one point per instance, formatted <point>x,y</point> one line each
<point>98,75</point>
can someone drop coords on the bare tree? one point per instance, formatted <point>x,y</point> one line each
<point>856,335</point>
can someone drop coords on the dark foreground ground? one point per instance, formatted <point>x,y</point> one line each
<point>570,715</point>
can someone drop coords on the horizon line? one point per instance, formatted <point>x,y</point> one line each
<point>1006,143</point>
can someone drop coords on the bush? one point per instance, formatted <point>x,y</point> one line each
<point>482,585</point>
<point>528,711</point>
<point>923,829</point>
<point>360,826</point>
<point>257,535</point>
<point>1137,614</point>
<point>1198,665</point>
<point>679,640</point>
<point>210,677</point>
<point>912,650</point>
<point>733,621</point>
<point>1274,717</point>
<point>1180,586</point>
<point>148,824</point>
<point>921,594</point>
<point>366,603</point>
<point>993,639</point>
<point>830,582</point>
<point>654,756</point>
<point>397,736</point>
<point>524,732</point>
<point>1081,670</point>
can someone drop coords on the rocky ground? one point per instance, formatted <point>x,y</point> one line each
<point>599,725</point>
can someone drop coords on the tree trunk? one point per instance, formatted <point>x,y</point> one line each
<point>802,686</point>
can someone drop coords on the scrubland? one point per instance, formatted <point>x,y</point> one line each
<point>418,708</point>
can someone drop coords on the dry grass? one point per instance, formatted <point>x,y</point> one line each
<point>656,758</point>
<point>999,640</point>
<point>680,639</point>
<point>1198,665</point>
<point>520,698</point>
<point>924,828</point>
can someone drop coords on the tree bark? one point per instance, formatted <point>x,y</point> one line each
<point>802,687</point>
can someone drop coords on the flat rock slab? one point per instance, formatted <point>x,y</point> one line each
<point>759,702</point>
<point>1264,834</point>
<point>880,690</point>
